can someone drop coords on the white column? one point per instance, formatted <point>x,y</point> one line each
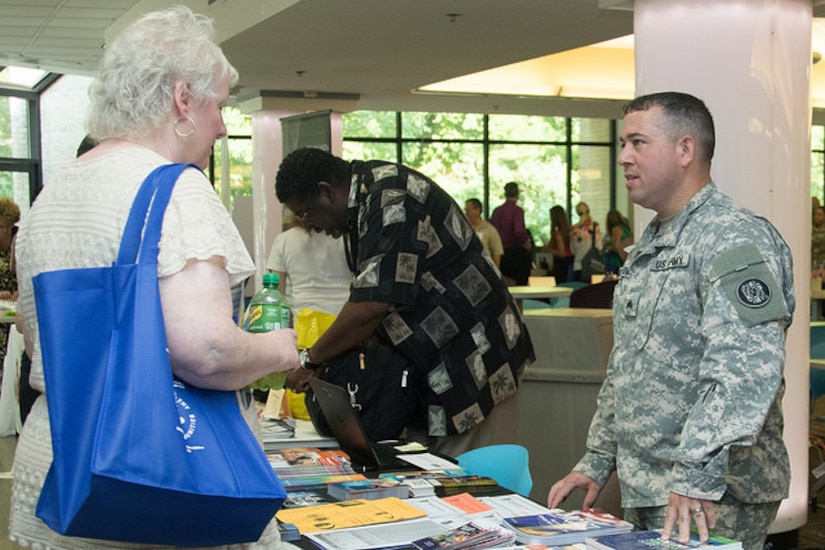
<point>267,147</point>
<point>267,154</point>
<point>750,61</point>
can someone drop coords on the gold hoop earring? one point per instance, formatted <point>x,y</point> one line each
<point>182,120</point>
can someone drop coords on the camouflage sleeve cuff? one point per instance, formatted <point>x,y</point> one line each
<point>695,483</point>
<point>596,466</point>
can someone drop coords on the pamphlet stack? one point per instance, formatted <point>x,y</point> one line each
<point>446,482</point>
<point>558,527</point>
<point>469,535</point>
<point>370,489</point>
<point>304,468</point>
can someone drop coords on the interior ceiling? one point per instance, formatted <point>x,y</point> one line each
<point>384,49</point>
<point>371,54</point>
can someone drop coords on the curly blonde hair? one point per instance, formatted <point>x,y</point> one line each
<point>9,212</point>
<point>134,91</point>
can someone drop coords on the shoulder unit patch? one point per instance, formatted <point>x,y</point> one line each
<point>749,284</point>
<point>753,293</point>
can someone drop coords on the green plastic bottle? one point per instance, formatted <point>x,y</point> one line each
<point>268,310</point>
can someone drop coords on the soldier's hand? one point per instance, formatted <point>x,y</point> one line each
<point>574,480</point>
<point>682,510</point>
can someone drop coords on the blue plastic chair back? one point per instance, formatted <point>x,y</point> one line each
<point>818,340</point>
<point>817,382</point>
<point>560,301</point>
<point>564,301</point>
<point>575,285</point>
<point>529,303</point>
<point>508,464</point>
<point>817,375</point>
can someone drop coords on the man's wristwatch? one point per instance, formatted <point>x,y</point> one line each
<point>305,362</point>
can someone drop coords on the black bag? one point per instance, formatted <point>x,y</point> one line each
<point>383,387</point>
<point>593,262</point>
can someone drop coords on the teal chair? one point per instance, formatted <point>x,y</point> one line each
<point>817,372</point>
<point>817,390</point>
<point>818,340</point>
<point>564,301</point>
<point>508,464</point>
<point>530,303</point>
<point>575,285</point>
<point>560,302</point>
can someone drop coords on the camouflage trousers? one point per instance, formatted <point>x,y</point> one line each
<point>748,523</point>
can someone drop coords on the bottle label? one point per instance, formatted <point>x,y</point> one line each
<point>266,317</point>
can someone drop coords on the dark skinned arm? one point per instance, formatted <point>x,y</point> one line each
<point>356,322</point>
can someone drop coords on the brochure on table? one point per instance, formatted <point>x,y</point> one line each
<point>441,517</point>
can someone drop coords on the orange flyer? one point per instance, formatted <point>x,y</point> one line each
<point>348,513</point>
<point>467,503</point>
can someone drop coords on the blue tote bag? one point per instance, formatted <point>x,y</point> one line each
<point>138,455</point>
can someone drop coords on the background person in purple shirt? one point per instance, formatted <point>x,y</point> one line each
<point>508,219</point>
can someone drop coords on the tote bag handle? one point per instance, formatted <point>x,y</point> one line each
<point>142,231</point>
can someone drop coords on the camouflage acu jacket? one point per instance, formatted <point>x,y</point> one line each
<point>691,401</point>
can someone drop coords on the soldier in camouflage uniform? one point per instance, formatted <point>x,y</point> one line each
<point>690,414</point>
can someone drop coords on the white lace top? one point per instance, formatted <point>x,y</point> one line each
<point>77,221</point>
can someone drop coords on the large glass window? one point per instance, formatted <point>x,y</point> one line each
<point>590,181</point>
<point>528,128</point>
<point>442,126</point>
<point>555,160</point>
<point>9,181</point>
<point>376,132</point>
<point>19,148</point>
<point>14,127</point>
<point>365,150</point>
<point>596,130</point>
<point>540,171</point>
<point>20,132</point>
<point>239,145</point>
<point>370,124</point>
<point>457,167</point>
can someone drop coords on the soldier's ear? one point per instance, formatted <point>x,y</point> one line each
<point>686,149</point>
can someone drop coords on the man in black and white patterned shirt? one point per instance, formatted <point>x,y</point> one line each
<point>421,282</point>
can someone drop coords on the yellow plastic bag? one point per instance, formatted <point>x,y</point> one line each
<point>310,324</point>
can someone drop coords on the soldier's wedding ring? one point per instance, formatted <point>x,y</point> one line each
<point>698,511</point>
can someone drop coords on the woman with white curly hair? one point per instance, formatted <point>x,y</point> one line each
<point>157,99</point>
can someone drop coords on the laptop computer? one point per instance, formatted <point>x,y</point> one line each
<point>347,430</point>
